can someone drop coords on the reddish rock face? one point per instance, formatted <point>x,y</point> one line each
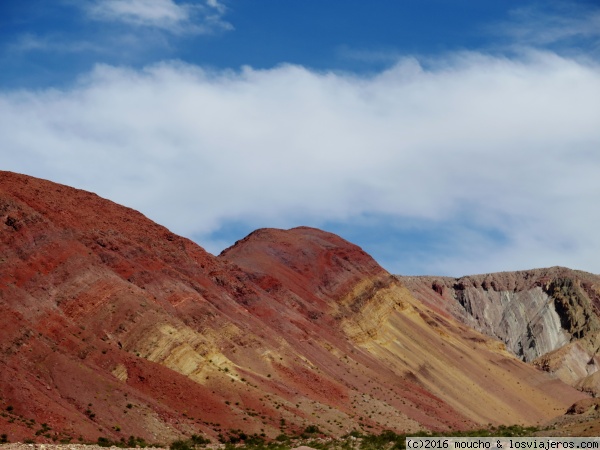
<point>314,263</point>
<point>113,326</point>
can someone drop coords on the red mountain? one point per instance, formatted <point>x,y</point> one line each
<point>113,326</point>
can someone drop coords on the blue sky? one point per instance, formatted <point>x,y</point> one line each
<point>443,136</point>
<point>350,35</point>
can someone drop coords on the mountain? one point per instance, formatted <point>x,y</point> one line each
<point>113,326</point>
<point>548,317</point>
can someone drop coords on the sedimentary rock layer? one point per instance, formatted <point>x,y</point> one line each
<point>548,317</point>
<point>114,326</point>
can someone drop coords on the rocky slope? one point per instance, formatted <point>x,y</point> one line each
<point>113,326</point>
<point>548,317</point>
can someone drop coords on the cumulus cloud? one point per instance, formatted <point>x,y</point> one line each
<point>163,14</point>
<point>474,142</point>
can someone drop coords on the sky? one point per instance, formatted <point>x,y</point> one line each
<point>444,137</point>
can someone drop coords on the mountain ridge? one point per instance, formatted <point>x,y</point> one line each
<point>119,327</point>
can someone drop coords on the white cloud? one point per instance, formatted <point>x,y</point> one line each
<point>30,42</point>
<point>557,22</point>
<point>504,144</point>
<point>163,14</point>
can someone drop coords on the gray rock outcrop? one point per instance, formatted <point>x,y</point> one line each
<point>527,321</point>
<point>548,317</point>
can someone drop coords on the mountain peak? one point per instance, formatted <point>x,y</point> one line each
<point>317,261</point>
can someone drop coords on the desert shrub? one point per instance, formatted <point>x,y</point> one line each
<point>190,444</point>
<point>181,445</point>
<point>133,442</point>
<point>199,440</point>
<point>312,429</point>
<point>104,442</point>
<point>282,438</point>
